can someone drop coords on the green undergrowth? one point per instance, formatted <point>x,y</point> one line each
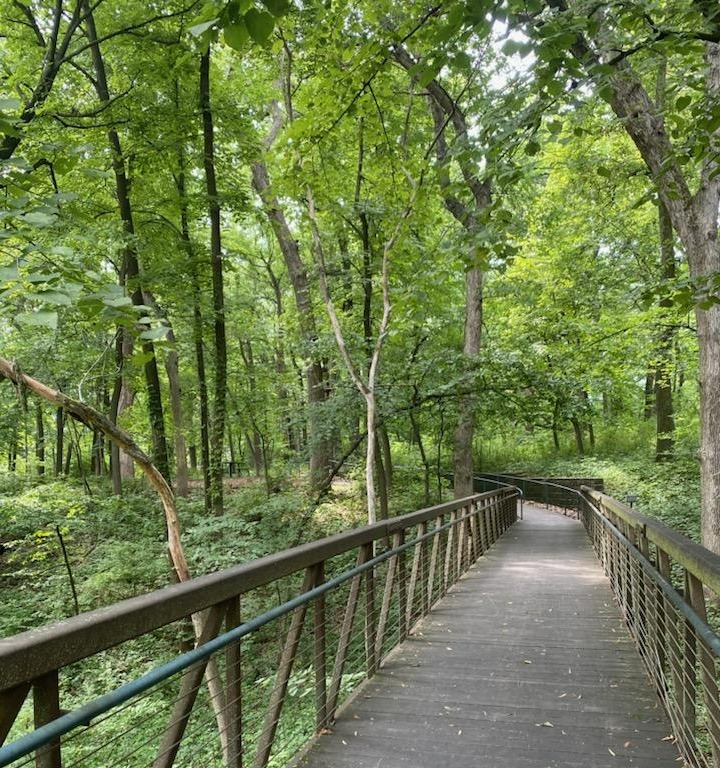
<point>116,547</point>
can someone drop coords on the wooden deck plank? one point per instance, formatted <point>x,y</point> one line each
<point>526,663</point>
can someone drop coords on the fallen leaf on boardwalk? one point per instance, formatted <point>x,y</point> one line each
<point>669,738</point>
<point>460,732</point>
<point>627,744</point>
<point>546,724</point>
<point>527,661</point>
<point>611,752</point>
<point>325,731</point>
<point>562,695</point>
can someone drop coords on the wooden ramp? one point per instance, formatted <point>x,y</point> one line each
<point>525,664</point>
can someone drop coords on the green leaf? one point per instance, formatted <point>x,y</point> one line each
<point>54,297</point>
<point>516,47</point>
<point>11,104</point>
<point>42,277</point>
<point>8,274</point>
<point>277,8</point>
<point>236,35</point>
<point>38,219</point>
<point>96,173</point>
<point>41,318</point>
<point>198,29</point>
<point>260,25</point>
<point>604,172</point>
<point>532,148</point>
<point>682,102</point>
<point>121,301</point>
<point>155,334</point>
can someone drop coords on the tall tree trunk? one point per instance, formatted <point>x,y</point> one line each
<point>465,430</point>
<point>315,373</point>
<point>115,473</point>
<point>39,440</point>
<point>445,110</point>
<point>664,411</point>
<point>197,326</point>
<point>217,432</point>
<point>694,217</point>
<point>417,437</point>
<point>59,440</point>
<point>382,485</point>
<point>649,407</point>
<point>384,440</point>
<point>131,268</point>
<point>577,429</point>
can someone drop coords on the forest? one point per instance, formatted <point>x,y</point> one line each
<point>270,269</point>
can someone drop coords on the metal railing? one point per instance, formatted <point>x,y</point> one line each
<point>668,589</point>
<point>552,492</point>
<point>217,704</point>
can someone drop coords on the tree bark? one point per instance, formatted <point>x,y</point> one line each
<point>445,110</point>
<point>694,217</point>
<point>59,440</point>
<point>131,268</point>
<point>577,429</point>
<point>465,430</point>
<point>217,432</point>
<point>39,440</point>
<point>664,411</point>
<point>315,373</point>
<point>197,326</point>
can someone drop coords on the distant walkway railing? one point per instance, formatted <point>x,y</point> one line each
<point>69,695</point>
<point>563,492</point>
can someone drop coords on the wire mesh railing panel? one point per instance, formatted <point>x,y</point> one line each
<point>664,585</point>
<point>249,679</point>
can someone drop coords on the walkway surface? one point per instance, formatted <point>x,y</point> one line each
<point>525,664</point>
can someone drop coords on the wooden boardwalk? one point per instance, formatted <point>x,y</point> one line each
<point>525,664</point>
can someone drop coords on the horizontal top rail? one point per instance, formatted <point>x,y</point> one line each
<point>29,655</point>
<point>103,704</point>
<point>696,559</point>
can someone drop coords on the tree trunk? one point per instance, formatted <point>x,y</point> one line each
<point>381,475</point>
<point>39,440</point>
<point>131,268</point>
<point>384,440</point>
<point>465,430</point>
<point>315,374</point>
<point>649,407</point>
<point>694,217</point>
<point>59,440</point>
<point>664,412</point>
<point>197,331</point>
<point>217,432</point>
<point>417,437</point>
<point>577,428</point>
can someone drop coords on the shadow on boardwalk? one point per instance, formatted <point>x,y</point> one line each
<point>526,663</point>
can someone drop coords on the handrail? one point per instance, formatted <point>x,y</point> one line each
<point>698,560</point>
<point>383,596</point>
<point>502,484</point>
<point>660,580</point>
<point>100,706</point>
<point>30,654</point>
